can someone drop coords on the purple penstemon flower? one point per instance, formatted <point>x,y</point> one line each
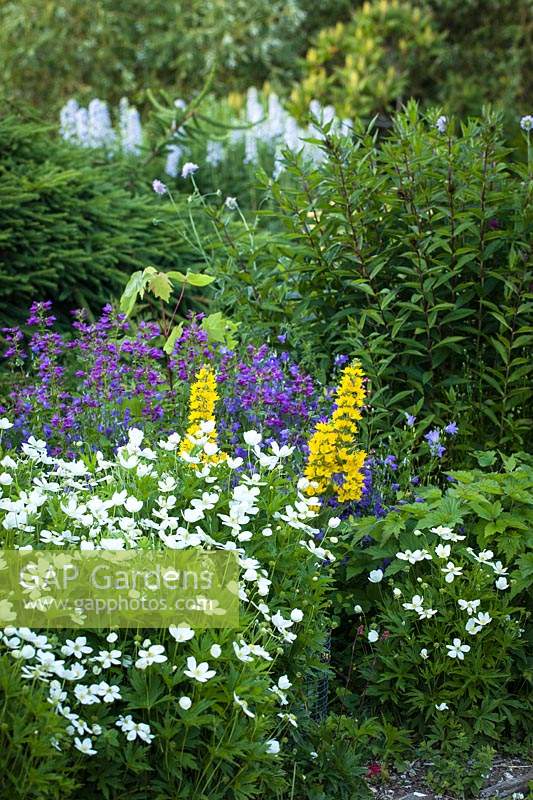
<point>105,377</point>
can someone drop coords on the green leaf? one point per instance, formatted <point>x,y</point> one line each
<point>191,278</point>
<point>161,287</point>
<point>485,458</point>
<point>135,288</point>
<point>220,329</point>
<point>175,333</point>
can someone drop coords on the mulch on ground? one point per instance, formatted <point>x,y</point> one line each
<point>507,777</point>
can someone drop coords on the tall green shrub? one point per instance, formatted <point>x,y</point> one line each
<point>413,254</point>
<point>461,53</point>
<point>116,47</point>
<point>74,224</point>
<point>488,53</point>
<point>388,51</point>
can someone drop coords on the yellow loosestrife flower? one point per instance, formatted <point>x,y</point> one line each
<point>332,462</point>
<point>202,403</point>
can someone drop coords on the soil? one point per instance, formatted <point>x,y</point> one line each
<point>508,776</point>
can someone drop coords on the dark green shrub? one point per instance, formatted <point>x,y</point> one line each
<point>488,53</point>
<point>412,253</point>
<point>73,224</point>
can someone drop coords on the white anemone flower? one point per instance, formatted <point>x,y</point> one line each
<point>413,556</point>
<point>252,438</point>
<point>427,613</point>
<point>85,746</point>
<point>77,647</point>
<point>447,534</point>
<point>415,604</point>
<point>443,550</point>
<point>457,649</point>
<point>244,705</point>
<point>451,571</point>
<point>498,568</point>
<point>154,654</point>
<point>469,606</point>
<point>199,672</point>
<point>472,627</point>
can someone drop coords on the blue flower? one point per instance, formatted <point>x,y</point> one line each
<point>451,429</point>
<point>433,440</point>
<point>159,187</point>
<point>441,124</point>
<point>433,437</point>
<point>188,169</point>
<point>340,360</point>
<point>410,420</point>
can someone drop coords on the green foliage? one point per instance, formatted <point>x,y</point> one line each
<point>412,254</point>
<point>160,284</point>
<point>74,224</point>
<point>387,52</point>
<point>457,767</point>
<point>329,760</point>
<point>405,672</point>
<point>32,768</point>
<point>115,47</point>
<point>487,54</point>
<point>461,54</point>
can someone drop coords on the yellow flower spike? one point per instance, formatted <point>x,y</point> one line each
<point>332,463</point>
<point>202,402</point>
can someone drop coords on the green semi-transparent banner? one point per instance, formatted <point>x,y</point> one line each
<point>125,589</point>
